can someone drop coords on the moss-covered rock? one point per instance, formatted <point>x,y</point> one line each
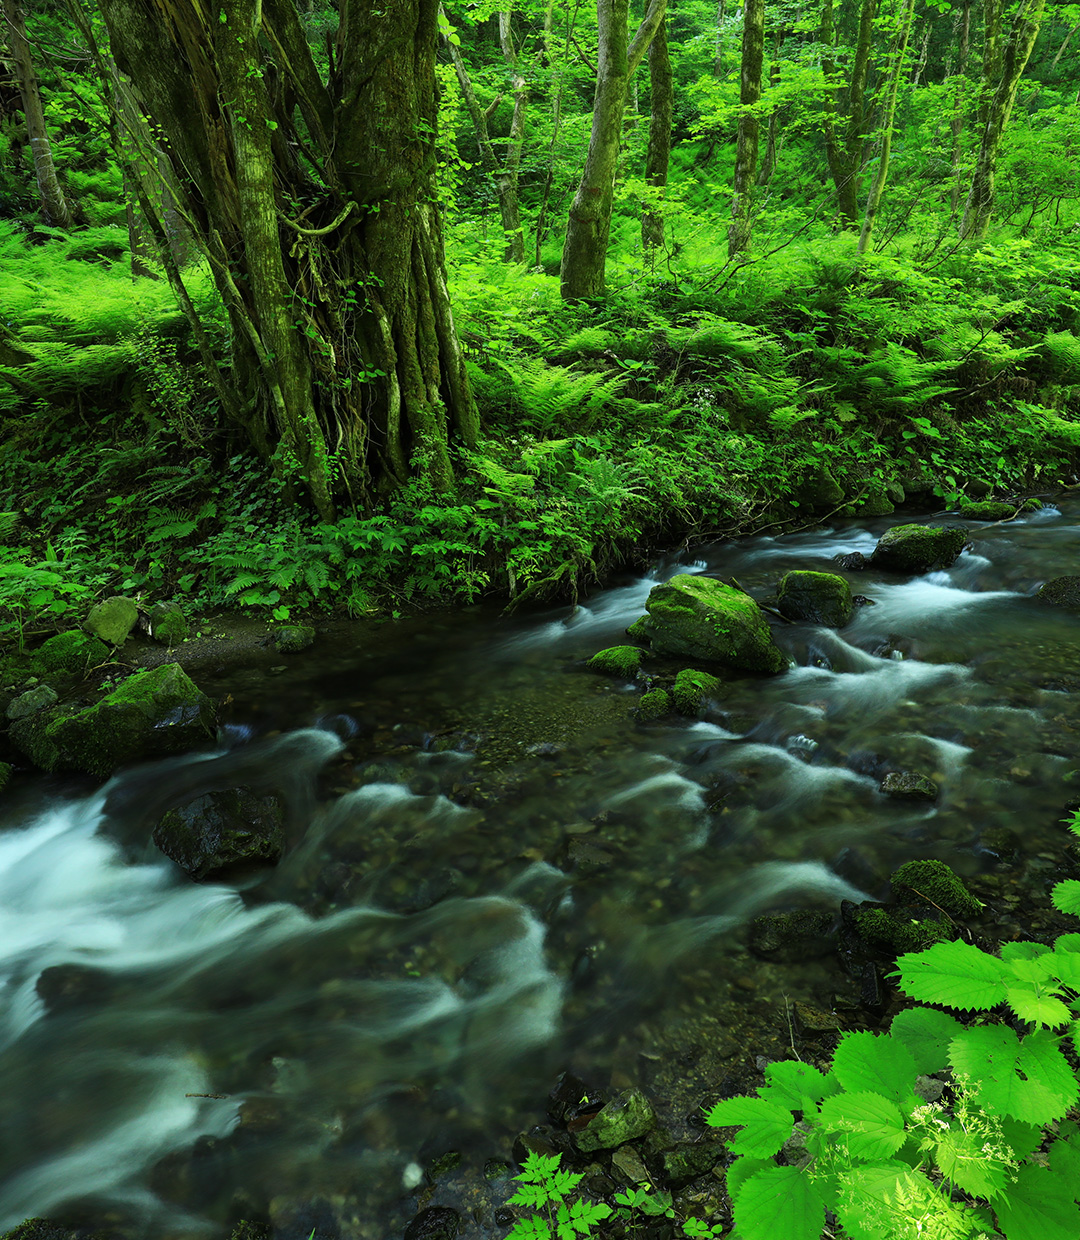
<point>918,548</point>
<point>690,690</point>
<point>803,934</point>
<point>653,705</point>
<point>1061,592</point>
<point>987,510</point>
<point>819,490</point>
<point>625,1117</point>
<point>895,934</point>
<point>32,702</point>
<point>222,833</point>
<point>702,618</point>
<point>168,624</point>
<point>152,713</point>
<point>622,661</point>
<point>909,786</point>
<point>73,651</point>
<point>639,630</point>
<point>818,598</point>
<point>291,638</point>
<point>112,620</point>
<point>934,882</point>
<point>877,502</point>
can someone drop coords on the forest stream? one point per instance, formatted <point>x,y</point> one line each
<point>494,875</point>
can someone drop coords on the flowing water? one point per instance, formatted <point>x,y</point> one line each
<point>494,874</point>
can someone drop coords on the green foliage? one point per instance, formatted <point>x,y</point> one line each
<point>546,1188</point>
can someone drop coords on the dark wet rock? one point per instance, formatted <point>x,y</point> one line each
<point>813,1021</point>
<point>987,510</point>
<point>64,986</point>
<point>653,705</point>
<point>570,1098</point>
<point>113,619</point>
<point>619,661</point>
<point>542,1139</point>
<point>41,697</point>
<point>627,1162</point>
<point>167,623</point>
<point>627,1116</point>
<point>1061,592</point>
<point>291,638</point>
<point>1000,842</point>
<point>73,651</point>
<point>685,1162</point>
<point>150,714</point>
<point>434,1223</point>
<point>936,883</point>
<point>702,618</point>
<point>909,786</point>
<point>495,1170</point>
<point>918,548</point>
<point>884,930</point>
<point>302,1218</point>
<point>852,561</point>
<point>805,934</point>
<point>690,690</point>
<point>860,600</point>
<point>584,855</point>
<point>223,833</point>
<point>817,598</point>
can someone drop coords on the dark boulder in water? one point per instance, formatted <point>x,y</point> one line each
<point>918,548</point>
<point>223,833</point>
<point>817,598</point>
<point>1061,592</point>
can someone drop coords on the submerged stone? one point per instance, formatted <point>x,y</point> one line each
<point>113,619</point>
<point>690,690</point>
<point>73,651</point>
<point>1061,592</point>
<point>621,661</point>
<point>817,598</point>
<point>918,548</point>
<point>434,1223</point>
<point>222,833</point>
<point>934,882</point>
<point>703,618</point>
<point>909,786</point>
<point>627,1116</point>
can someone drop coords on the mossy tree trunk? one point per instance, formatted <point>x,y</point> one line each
<point>658,152</point>
<point>746,151</point>
<point>846,111</point>
<point>980,201</point>
<point>584,257</point>
<point>314,203</point>
<point>54,206</point>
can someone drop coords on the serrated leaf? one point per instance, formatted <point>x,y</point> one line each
<point>741,1170</point>
<point>779,1201</point>
<point>1039,1207</point>
<point>1023,950</point>
<point>1064,1157</point>
<point>768,1125</point>
<point>1038,1009</point>
<point>531,1228</point>
<point>1032,970</point>
<point>1030,1080</point>
<point>960,1157</point>
<point>955,974</point>
<point>866,1196</point>
<point>1065,896</point>
<point>1022,1139</point>
<point>881,1065</point>
<point>927,1034</point>
<point>871,1126</point>
<point>1067,943</point>
<point>789,1082</point>
<point>1067,965</point>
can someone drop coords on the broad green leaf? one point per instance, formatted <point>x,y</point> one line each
<point>768,1126</point>
<point>1022,1139</point>
<point>790,1082</point>
<point>1030,1080</point>
<point>961,1157</point>
<point>1038,1009</point>
<point>870,1126</point>
<point>867,1061</point>
<point>1065,896</point>
<point>779,1201</point>
<point>741,1170</point>
<point>1067,943</point>
<point>927,1034</point>
<point>955,974</point>
<point>1033,970</point>
<point>865,1201</point>
<point>1022,950</point>
<point>1065,1163</point>
<point>1039,1206</point>
<point>1067,965</point>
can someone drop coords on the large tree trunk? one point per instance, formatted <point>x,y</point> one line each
<point>584,255</point>
<point>323,237</point>
<point>746,153</point>
<point>658,152</point>
<point>845,154</point>
<point>980,201</point>
<point>54,206</point>
<point>962,30</point>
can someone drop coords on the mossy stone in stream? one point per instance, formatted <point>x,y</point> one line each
<point>639,630</point>
<point>703,618</point>
<point>73,651</point>
<point>987,510</point>
<point>909,786</point>
<point>653,705</point>
<point>935,882</point>
<point>622,661</point>
<point>40,1229</point>
<point>819,489</point>
<point>625,1117</point>
<point>918,548</point>
<point>895,934</point>
<point>291,638</point>
<point>817,598</point>
<point>223,833</point>
<point>113,619</point>
<point>803,934</point>
<point>1061,592</point>
<point>690,690</point>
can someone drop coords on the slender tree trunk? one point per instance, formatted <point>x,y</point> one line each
<point>980,201</point>
<point>845,153</point>
<point>746,153</point>
<point>718,51</point>
<point>963,33</point>
<point>924,51</point>
<point>896,69</point>
<point>54,206</point>
<point>768,164</point>
<point>658,154</point>
<point>585,248</point>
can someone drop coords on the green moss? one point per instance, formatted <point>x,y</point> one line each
<point>73,651</point>
<point>291,638</point>
<point>653,704</point>
<point>621,661</point>
<point>935,882</point>
<point>113,619</point>
<point>818,598</point>
<point>703,618</point>
<point>690,690</point>
<point>168,624</point>
<point>877,502</point>
<point>5,774</point>
<point>639,630</point>
<point>900,934</point>
<point>987,510</point>
<point>919,548</point>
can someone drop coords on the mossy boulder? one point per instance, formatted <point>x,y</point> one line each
<point>113,619</point>
<point>1061,592</point>
<point>639,630</point>
<point>897,934</point>
<point>877,502</point>
<point>690,690</point>
<point>819,489</point>
<point>291,638</point>
<point>32,702</point>
<point>909,786</point>
<point>803,934</point>
<point>653,705</point>
<point>223,833</point>
<point>987,510</point>
<point>702,618</point>
<point>168,624</point>
<point>625,1117</point>
<point>73,651</point>
<point>621,661</point>
<point>818,598</point>
<point>918,548</point>
<point>934,882</point>
<point>150,714</point>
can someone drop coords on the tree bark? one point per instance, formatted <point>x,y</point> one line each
<point>956,125</point>
<point>845,155</point>
<point>746,153</point>
<point>980,201</point>
<point>54,206</point>
<point>658,152</point>
<point>585,248</point>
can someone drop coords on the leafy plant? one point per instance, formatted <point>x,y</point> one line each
<point>546,1188</point>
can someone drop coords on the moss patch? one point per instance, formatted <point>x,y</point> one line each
<point>653,705</point>
<point>702,618</point>
<point>987,510</point>
<point>690,690</point>
<point>935,882</point>
<point>639,630</point>
<point>73,651</point>
<point>817,598</point>
<point>622,661</point>
<point>897,934</point>
<point>919,548</point>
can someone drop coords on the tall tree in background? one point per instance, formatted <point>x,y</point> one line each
<point>746,153</point>
<point>54,206</point>
<point>846,120</point>
<point>658,152</point>
<point>314,204</point>
<point>995,109</point>
<point>584,256</point>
